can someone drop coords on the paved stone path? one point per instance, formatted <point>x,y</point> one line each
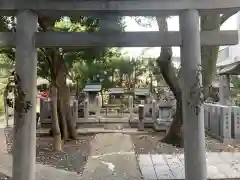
<point>112,158</point>
<point>159,167</point>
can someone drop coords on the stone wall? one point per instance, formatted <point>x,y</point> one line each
<point>222,122</point>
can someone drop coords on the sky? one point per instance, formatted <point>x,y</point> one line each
<point>173,25</point>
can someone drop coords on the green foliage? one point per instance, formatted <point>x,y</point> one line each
<point>236,82</point>
<point>84,65</point>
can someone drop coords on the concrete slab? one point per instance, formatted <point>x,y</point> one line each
<point>163,172</point>
<point>219,165</point>
<point>148,173</point>
<point>158,160</point>
<point>145,159</point>
<point>178,172</point>
<point>112,157</point>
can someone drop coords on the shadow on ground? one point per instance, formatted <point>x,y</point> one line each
<point>72,158</point>
<point>151,143</point>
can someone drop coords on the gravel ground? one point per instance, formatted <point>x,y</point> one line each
<point>4,177</point>
<point>151,143</point>
<point>72,158</point>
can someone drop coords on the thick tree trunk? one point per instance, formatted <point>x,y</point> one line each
<point>68,127</point>
<point>168,72</point>
<point>209,59</point>
<point>209,55</point>
<point>164,63</point>
<point>69,116</point>
<point>61,105</point>
<point>174,135</point>
<point>6,114</point>
<point>55,123</point>
<point>62,116</point>
<point>77,90</point>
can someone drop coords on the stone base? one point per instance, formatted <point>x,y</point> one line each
<point>141,126</point>
<point>162,126</point>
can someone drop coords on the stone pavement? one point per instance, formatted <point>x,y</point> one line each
<point>167,166</point>
<point>112,158</point>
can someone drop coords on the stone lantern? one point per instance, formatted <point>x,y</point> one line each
<point>164,112</point>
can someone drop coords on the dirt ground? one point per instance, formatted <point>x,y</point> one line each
<point>75,153</point>
<point>151,144</point>
<point>72,158</point>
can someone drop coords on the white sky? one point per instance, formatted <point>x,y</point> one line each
<point>173,25</point>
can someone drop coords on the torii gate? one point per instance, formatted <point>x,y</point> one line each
<point>189,39</point>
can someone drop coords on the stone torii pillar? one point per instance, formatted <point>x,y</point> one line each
<point>24,144</point>
<point>193,118</point>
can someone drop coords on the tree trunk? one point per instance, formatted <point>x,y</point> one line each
<point>174,135</point>
<point>68,127</point>
<point>77,90</point>
<point>168,72</point>
<point>69,116</point>
<point>62,116</point>
<point>62,112</point>
<point>55,123</point>
<point>209,57</point>
<point>6,114</point>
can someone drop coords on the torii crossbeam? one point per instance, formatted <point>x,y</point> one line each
<point>124,7</point>
<point>189,39</point>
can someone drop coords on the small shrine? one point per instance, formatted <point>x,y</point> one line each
<point>92,91</point>
<point>164,112</point>
<point>115,95</point>
<point>141,94</point>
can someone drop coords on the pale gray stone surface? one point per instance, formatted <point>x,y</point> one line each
<point>112,157</point>
<point>166,166</point>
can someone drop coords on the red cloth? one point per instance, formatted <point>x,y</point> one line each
<point>43,95</point>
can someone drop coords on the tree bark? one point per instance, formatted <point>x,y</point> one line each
<point>164,63</point>
<point>57,144</point>
<point>209,57</point>
<point>62,110</point>
<point>6,114</point>
<point>168,72</point>
<point>62,116</point>
<point>68,127</point>
<point>69,116</point>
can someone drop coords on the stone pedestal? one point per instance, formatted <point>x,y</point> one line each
<point>141,117</point>
<point>236,111</point>
<point>75,112</point>
<point>224,90</point>
<point>226,114</point>
<point>98,110</point>
<point>86,109</point>
<point>130,108</point>
<point>154,115</point>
